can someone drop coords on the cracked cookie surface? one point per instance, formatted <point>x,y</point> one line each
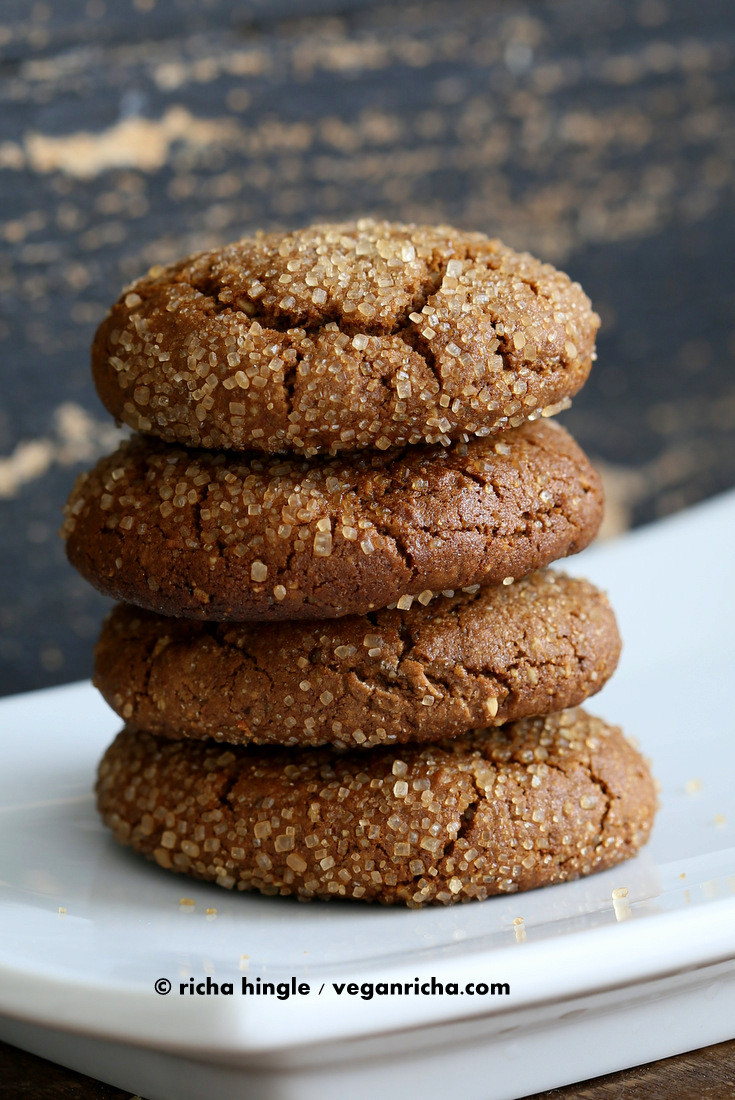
<point>496,811</point>
<point>493,655</point>
<point>208,535</point>
<point>340,337</point>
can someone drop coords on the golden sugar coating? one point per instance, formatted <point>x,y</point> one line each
<point>437,669</point>
<point>216,536</point>
<point>536,802</point>
<point>339,337</point>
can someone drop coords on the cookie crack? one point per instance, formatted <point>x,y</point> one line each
<point>399,546</point>
<point>410,334</point>
<point>224,795</point>
<point>289,380</point>
<point>150,667</point>
<point>607,795</point>
<point>379,682</point>
<point>276,320</point>
<point>406,637</point>
<point>437,269</point>
<point>604,790</point>
<point>478,479</point>
<point>470,253</point>
<point>466,818</point>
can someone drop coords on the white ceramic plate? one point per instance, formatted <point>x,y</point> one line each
<point>588,993</point>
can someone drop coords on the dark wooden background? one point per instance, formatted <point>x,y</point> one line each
<point>599,135</point>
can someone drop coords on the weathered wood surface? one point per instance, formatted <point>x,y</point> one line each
<point>707,1074</point>
<point>600,136</point>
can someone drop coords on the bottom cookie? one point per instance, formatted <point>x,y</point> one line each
<point>538,801</point>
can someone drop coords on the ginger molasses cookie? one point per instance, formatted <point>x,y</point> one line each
<point>209,535</point>
<point>495,811</point>
<point>441,668</point>
<point>340,337</point>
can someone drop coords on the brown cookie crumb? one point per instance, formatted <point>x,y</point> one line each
<point>487,656</point>
<point>340,337</point>
<point>536,802</point>
<point>200,534</point>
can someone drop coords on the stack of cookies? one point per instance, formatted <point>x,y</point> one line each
<point>344,667</point>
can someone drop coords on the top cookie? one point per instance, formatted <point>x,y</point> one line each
<point>339,337</point>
